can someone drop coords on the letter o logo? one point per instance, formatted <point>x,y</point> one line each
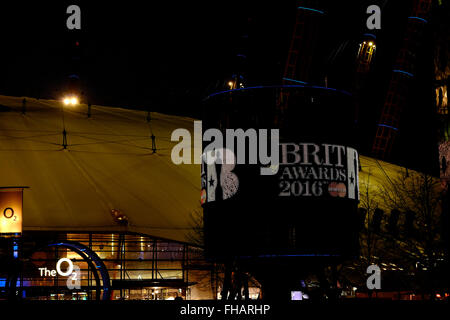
<point>8,216</point>
<point>69,269</point>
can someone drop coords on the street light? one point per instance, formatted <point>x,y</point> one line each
<point>70,100</point>
<point>74,101</point>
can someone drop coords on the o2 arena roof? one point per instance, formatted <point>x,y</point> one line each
<point>108,165</point>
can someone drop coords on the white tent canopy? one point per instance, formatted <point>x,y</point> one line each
<point>108,164</point>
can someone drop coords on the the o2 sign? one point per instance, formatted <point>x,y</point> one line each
<point>11,210</point>
<point>8,213</point>
<point>68,270</point>
<point>72,271</point>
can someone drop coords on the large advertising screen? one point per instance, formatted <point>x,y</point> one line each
<point>304,170</point>
<point>284,191</point>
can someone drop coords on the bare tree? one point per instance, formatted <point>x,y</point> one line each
<point>369,237</point>
<point>371,240</point>
<point>419,197</point>
<point>401,231</point>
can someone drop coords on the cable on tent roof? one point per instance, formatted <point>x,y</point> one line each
<point>153,143</point>
<point>89,110</point>
<point>152,136</point>
<point>64,144</point>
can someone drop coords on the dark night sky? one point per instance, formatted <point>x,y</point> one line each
<point>134,54</point>
<point>169,56</point>
<point>163,55</point>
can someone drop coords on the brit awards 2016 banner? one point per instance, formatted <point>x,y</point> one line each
<point>304,170</point>
<point>318,170</point>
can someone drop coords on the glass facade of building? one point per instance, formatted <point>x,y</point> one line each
<point>139,268</point>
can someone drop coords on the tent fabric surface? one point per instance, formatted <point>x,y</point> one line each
<point>108,164</point>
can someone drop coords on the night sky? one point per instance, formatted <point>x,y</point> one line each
<point>163,55</point>
<point>168,56</point>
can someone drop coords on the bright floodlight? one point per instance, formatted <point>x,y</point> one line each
<point>66,101</point>
<point>370,43</point>
<point>74,101</point>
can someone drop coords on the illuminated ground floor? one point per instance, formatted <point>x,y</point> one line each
<point>117,266</point>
